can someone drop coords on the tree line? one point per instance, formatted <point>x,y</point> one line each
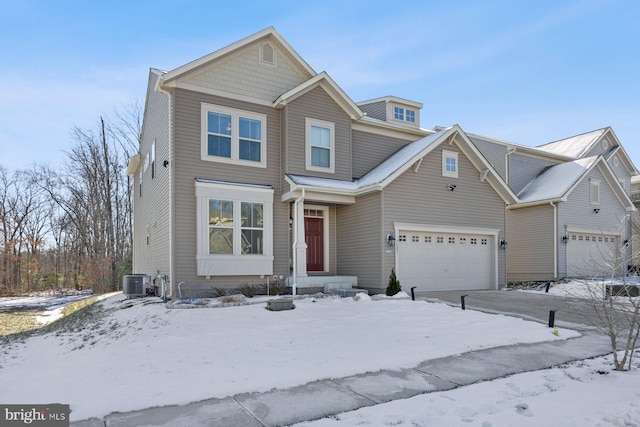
<point>72,226</point>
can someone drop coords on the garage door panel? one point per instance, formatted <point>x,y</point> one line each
<point>445,261</point>
<point>591,254</point>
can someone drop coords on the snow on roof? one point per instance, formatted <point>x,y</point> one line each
<point>556,180</point>
<point>378,174</point>
<point>575,146</point>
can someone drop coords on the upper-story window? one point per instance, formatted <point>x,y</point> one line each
<point>411,116</point>
<point>320,145</point>
<point>450,164</point>
<point>233,136</point>
<point>404,115</point>
<point>398,113</point>
<point>594,191</point>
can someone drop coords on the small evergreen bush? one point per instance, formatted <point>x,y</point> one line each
<point>394,284</point>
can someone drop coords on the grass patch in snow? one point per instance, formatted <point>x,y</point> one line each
<point>17,321</point>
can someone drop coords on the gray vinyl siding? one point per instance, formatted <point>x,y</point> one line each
<point>151,211</point>
<point>530,237</point>
<point>577,211</point>
<point>423,197</point>
<point>377,110</point>
<point>189,166</point>
<point>369,150</point>
<point>494,153</point>
<point>317,104</point>
<point>523,169</point>
<point>621,173</point>
<point>597,149</point>
<point>360,241</point>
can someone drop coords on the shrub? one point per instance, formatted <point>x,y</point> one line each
<point>394,284</point>
<point>278,287</point>
<point>219,292</point>
<point>248,290</point>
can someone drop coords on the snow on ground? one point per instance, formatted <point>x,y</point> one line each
<point>148,355</point>
<point>583,288</point>
<point>585,393</point>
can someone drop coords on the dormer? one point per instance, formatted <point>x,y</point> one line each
<point>394,110</point>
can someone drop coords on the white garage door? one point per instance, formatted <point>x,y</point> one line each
<point>591,254</point>
<point>445,261</point>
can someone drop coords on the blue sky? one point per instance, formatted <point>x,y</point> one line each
<point>526,72</point>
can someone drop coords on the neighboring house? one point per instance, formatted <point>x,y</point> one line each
<point>574,212</point>
<point>252,165</point>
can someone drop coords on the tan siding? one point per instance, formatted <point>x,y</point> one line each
<point>494,153</point>
<point>188,166</point>
<point>151,211</point>
<point>377,110</point>
<point>316,104</point>
<point>369,150</point>
<point>243,74</point>
<point>530,237</point>
<point>523,169</point>
<point>360,241</point>
<point>423,197</point>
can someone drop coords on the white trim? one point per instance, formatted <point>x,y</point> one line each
<point>223,94</point>
<point>592,230</point>
<point>449,155</point>
<point>594,183</point>
<point>274,63</point>
<point>235,135</point>
<point>308,123</point>
<point>325,232</point>
<point>370,125</point>
<point>235,264</point>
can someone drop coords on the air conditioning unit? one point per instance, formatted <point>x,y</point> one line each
<point>136,285</point>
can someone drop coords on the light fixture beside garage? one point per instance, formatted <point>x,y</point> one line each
<point>391,240</point>
<point>503,244</point>
<point>565,239</point>
<point>452,187</point>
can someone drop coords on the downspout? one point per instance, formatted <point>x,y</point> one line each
<point>295,242</point>
<point>555,240</point>
<point>506,163</point>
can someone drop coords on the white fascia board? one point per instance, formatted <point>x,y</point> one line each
<point>593,230</point>
<point>378,127</point>
<point>537,203</point>
<point>395,99</point>
<point>134,163</point>
<point>615,184</point>
<point>221,93</point>
<point>398,226</point>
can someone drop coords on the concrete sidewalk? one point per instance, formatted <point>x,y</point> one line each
<point>328,397</point>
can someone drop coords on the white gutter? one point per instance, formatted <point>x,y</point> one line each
<point>555,240</point>
<point>295,241</point>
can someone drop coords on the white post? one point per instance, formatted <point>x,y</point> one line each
<point>299,244</point>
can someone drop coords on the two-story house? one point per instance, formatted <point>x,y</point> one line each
<point>253,165</point>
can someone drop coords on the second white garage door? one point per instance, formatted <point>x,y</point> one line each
<point>445,261</point>
<point>591,254</point>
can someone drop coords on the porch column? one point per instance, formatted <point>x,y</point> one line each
<point>300,246</point>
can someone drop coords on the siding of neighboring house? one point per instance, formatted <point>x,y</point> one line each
<point>369,150</point>
<point>317,104</point>
<point>621,172</point>
<point>597,149</point>
<point>152,209</point>
<point>423,198</point>
<point>578,212</point>
<point>523,169</point>
<point>189,166</point>
<point>530,252</point>
<point>242,74</point>
<point>494,153</point>
<point>360,240</point>
<point>376,110</point>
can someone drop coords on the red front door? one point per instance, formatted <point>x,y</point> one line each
<point>314,237</point>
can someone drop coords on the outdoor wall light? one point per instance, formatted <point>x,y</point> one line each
<point>165,163</point>
<point>452,187</point>
<point>625,243</point>
<point>391,240</point>
<point>596,210</point>
<point>503,244</point>
<point>565,238</point>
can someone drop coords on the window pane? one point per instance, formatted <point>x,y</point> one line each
<point>252,242</point>
<point>220,213</point>
<point>220,240</point>
<point>249,150</point>
<point>219,146</point>
<point>250,128</point>
<point>450,164</point>
<point>251,214</point>
<point>320,137</point>
<point>320,157</point>
<point>398,113</point>
<point>411,116</point>
<point>219,123</point>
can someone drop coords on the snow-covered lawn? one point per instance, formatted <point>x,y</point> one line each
<point>586,393</point>
<point>149,355</point>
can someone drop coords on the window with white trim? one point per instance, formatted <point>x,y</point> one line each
<point>449,164</point>
<point>398,113</point>
<point>233,136</point>
<point>410,116</point>
<point>320,145</point>
<point>234,229</point>
<point>594,191</point>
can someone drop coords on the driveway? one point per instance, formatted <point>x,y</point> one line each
<point>570,312</point>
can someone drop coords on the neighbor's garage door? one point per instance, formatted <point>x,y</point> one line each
<point>445,261</point>
<point>591,254</point>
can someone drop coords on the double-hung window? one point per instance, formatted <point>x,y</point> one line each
<point>398,113</point>
<point>320,145</point>
<point>233,136</point>
<point>449,164</point>
<point>235,229</point>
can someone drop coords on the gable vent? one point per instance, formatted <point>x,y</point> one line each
<point>267,54</point>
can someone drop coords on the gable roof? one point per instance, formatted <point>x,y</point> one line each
<point>335,92</point>
<point>398,163</point>
<point>266,33</point>
<point>556,183</point>
<point>575,146</point>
